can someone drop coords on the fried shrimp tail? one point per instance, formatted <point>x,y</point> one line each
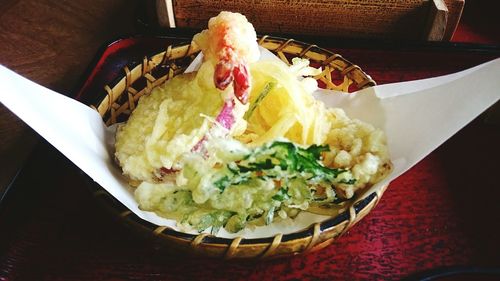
<point>230,44</point>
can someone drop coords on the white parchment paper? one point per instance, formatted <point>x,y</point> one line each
<point>417,117</point>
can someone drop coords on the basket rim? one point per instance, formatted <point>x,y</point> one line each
<point>132,218</point>
<point>358,205</point>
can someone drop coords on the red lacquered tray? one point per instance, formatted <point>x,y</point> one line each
<point>443,213</point>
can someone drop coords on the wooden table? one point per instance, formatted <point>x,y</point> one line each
<point>43,235</point>
<point>51,42</point>
<point>441,213</point>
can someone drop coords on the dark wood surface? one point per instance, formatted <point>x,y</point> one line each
<point>52,229</point>
<point>439,214</point>
<point>52,43</point>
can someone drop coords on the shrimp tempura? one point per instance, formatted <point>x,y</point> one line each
<point>178,117</point>
<point>230,44</point>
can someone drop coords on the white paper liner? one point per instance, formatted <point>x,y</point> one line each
<point>417,117</point>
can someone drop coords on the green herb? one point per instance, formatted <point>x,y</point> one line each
<point>349,181</point>
<point>220,218</point>
<point>315,150</point>
<point>267,88</point>
<point>202,220</point>
<point>281,195</point>
<point>293,162</point>
<point>257,166</point>
<point>222,183</point>
<point>293,170</point>
<point>302,160</point>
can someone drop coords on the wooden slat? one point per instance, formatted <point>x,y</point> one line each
<point>438,17</point>
<point>455,9</point>
<point>347,18</point>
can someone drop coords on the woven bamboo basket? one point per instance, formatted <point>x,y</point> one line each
<point>120,100</point>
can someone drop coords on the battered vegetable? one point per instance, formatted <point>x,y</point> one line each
<point>235,187</point>
<point>242,141</point>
